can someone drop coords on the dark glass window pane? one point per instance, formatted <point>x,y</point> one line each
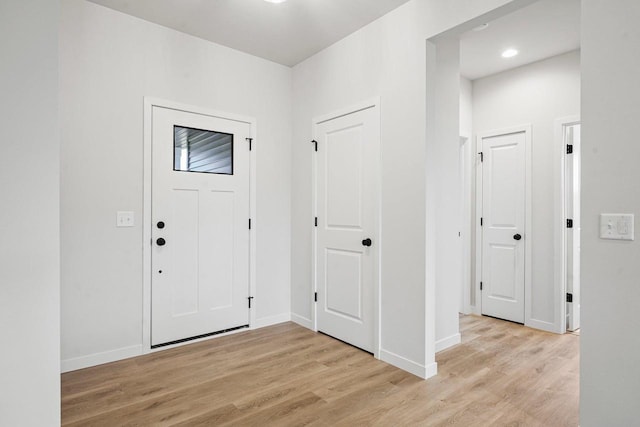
<point>197,150</point>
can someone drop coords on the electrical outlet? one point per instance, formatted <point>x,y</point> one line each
<point>125,219</point>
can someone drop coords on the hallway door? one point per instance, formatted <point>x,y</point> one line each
<point>503,225</point>
<point>347,241</point>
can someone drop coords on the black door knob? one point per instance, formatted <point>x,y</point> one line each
<point>517,237</point>
<point>161,242</point>
<point>366,242</point>
<point>160,224</point>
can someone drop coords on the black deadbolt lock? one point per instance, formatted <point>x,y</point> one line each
<point>366,242</point>
<point>160,225</point>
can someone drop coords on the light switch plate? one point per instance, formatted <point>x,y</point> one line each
<point>125,219</point>
<point>616,226</point>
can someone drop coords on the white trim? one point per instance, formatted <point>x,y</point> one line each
<point>354,108</point>
<point>271,320</point>
<point>528,236</point>
<point>465,224</point>
<point>445,343</point>
<point>364,105</point>
<point>149,103</point>
<point>138,350</point>
<point>559,229</point>
<point>410,366</point>
<point>255,219</point>
<point>82,362</point>
<point>477,308</point>
<point>314,230</point>
<point>302,321</point>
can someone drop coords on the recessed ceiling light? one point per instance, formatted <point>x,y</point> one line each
<point>481,27</point>
<point>275,1</point>
<point>509,53</point>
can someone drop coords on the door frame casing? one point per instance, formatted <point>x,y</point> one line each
<point>149,103</point>
<point>560,215</point>
<point>466,150</point>
<point>377,232</point>
<point>527,129</point>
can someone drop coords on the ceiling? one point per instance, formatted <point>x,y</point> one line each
<point>541,30</point>
<point>286,33</point>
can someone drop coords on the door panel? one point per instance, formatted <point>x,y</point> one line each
<point>200,194</point>
<point>344,283</point>
<point>220,228</point>
<point>503,211</point>
<point>347,206</point>
<point>185,263</point>
<point>503,272</point>
<point>343,175</point>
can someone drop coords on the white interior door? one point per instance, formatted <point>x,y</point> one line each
<point>572,195</point>
<point>200,233</point>
<point>503,225</point>
<point>347,238</point>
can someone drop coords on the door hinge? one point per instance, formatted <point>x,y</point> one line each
<point>315,143</point>
<point>315,297</point>
<point>481,156</point>
<point>569,148</point>
<point>569,297</point>
<point>315,222</point>
<point>249,223</point>
<point>481,221</point>
<point>250,299</point>
<point>480,285</point>
<point>569,223</point>
<point>250,140</point>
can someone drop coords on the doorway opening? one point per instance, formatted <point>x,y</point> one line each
<point>568,145</point>
<point>497,95</point>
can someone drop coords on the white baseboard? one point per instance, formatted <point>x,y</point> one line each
<point>272,320</point>
<point>302,321</point>
<point>136,350</point>
<point>445,343</point>
<point>81,362</point>
<point>409,365</point>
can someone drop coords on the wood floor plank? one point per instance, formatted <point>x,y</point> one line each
<point>501,374</point>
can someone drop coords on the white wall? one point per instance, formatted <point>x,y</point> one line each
<point>468,207</point>
<point>109,62</point>
<point>443,191</point>
<point>466,106</point>
<point>466,128</point>
<point>535,94</point>
<point>386,59</point>
<point>29,218</point>
<point>610,348</point>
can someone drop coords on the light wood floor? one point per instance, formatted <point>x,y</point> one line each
<point>502,374</point>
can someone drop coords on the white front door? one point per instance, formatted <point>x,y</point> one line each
<point>347,241</point>
<point>503,225</point>
<point>200,233</point>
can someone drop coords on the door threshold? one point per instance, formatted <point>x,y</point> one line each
<point>198,337</point>
<point>504,320</point>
